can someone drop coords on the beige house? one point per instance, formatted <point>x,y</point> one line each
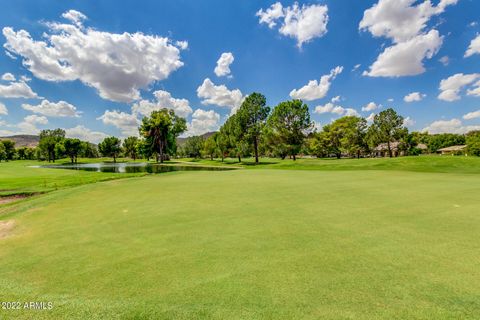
<point>382,150</point>
<point>422,147</point>
<point>453,150</point>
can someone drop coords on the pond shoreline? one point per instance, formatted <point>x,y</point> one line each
<point>135,167</point>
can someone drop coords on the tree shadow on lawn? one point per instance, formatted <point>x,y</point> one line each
<point>253,164</point>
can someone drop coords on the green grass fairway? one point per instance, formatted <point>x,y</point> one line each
<point>431,163</point>
<point>249,244</point>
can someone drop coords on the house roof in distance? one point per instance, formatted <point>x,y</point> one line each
<point>453,148</point>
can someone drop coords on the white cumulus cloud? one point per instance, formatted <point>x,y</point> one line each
<point>452,86</point>
<point>29,124</point>
<point>117,65</point>
<point>371,117</point>
<point>371,106</point>
<point>271,15</point>
<point>335,109</point>
<point>336,99</point>
<point>3,109</point>
<point>303,23</point>
<point>126,122</point>
<point>223,64</point>
<point>472,115</point>
<point>212,94</point>
<point>203,121</point>
<point>53,109</point>
<point>408,122</point>
<point>83,133</point>
<point>406,58</point>
<point>475,90</point>
<point>18,89</point>
<point>404,22</point>
<point>74,16</point>
<point>8,77</point>
<point>449,126</point>
<point>445,60</point>
<point>400,20</point>
<point>163,100</point>
<point>316,89</point>
<point>474,47</point>
<point>414,96</point>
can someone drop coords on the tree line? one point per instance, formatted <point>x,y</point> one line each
<point>285,130</point>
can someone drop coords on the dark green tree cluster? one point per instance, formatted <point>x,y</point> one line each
<point>110,147</point>
<point>346,135</point>
<point>351,136</point>
<point>7,150</point>
<point>54,145</point>
<point>160,132</point>
<point>439,141</point>
<point>473,143</point>
<point>256,129</point>
<point>51,144</point>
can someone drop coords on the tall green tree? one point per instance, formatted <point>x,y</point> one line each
<point>290,122</point>
<point>473,143</point>
<point>3,153</point>
<point>408,143</point>
<point>144,149</point>
<point>110,147</point>
<point>130,147</point>
<point>345,135</point>
<point>320,145</point>
<point>22,153</point>
<point>193,146</point>
<point>252,116</point>
<point>273,144</point>
<point>30,153</point>
<point>387,127</point>
<point>89,150</point>
<point>72,147</point>
<point>222,144</point>
<point>161,129</point>
<point>210,147</point>
<point>49,140</point>
<point>9,149</point>
<point>353,141</point>
<point>232,137</point>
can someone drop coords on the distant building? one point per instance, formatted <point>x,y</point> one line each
<point>453,150</point>
<point>382,150</point>
<point>422,147</point>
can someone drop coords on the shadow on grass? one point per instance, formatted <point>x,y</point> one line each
<point>253,164</point>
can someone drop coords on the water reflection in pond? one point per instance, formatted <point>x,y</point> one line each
<point>134,167</point>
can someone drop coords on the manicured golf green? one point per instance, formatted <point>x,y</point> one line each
<point>249,244</point>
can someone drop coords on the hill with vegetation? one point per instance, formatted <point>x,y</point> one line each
<point>23,140</point>
<point>181,141</point>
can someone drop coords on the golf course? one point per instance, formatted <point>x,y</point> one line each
<point>312,239</point>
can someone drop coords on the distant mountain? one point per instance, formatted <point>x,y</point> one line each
<point>181,141</point>
<point>23,140</point>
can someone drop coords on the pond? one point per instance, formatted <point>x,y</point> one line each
<point>134,167</point>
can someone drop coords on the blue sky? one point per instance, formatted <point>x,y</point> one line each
<point>96,67</point>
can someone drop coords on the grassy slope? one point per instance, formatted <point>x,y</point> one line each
<point>416,164</point>
<point>251,244</point>
<point>18,177</point>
